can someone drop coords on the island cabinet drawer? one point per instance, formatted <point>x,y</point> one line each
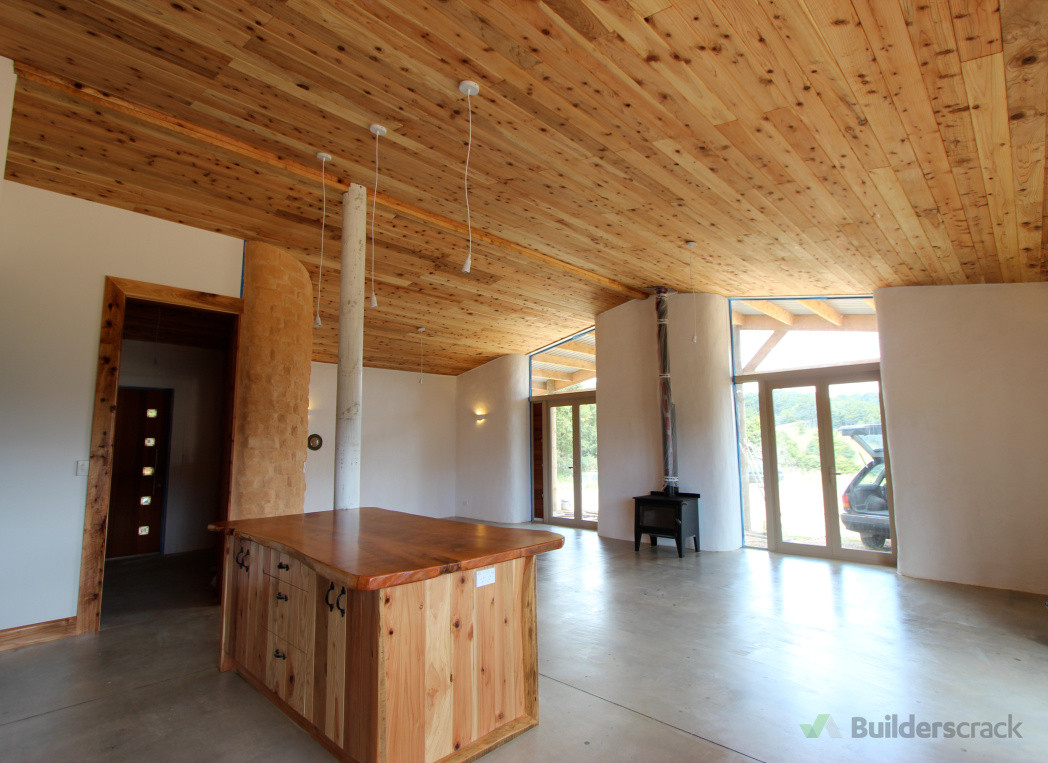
<point>289,675</point>
<point>292,613</point>
<point>285,567</point>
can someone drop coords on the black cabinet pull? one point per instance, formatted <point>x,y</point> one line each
<point>239,561</point>
<point>338,601</point>
<point>279,654</point>
<point>327,598</point>
<point>281,596</point>
<point>244,563</point>
<point>282,566</point>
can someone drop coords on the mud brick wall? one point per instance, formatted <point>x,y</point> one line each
<point>276,341</point>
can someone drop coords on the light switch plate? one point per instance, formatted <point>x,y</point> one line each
<point>81,468</point>
<point>485,576</point>
<point>143,530</point>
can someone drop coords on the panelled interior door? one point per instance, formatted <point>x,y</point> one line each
<point>571,461</point>
<point>140,463</point>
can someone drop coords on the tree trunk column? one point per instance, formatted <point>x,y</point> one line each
<point>350,350</point>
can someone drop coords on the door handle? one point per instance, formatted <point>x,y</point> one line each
<point>243,562</point>
<point>327,598</point>
<point>338,601</point>
<point>281,596</point>
<point>282,566</point>
<point>279,654</point>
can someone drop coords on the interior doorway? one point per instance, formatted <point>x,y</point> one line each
<point>821,463</point>
<point>570,460</point>
<point>161,316</point>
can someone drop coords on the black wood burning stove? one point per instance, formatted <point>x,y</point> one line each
<point>662,515</point>
<point>666,513</point>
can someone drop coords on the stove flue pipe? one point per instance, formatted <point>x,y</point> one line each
<point>668,410</point>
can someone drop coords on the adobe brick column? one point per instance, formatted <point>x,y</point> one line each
<point>272,399</point>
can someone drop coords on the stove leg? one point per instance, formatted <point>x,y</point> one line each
<point>696,537</point>
<point>680,546</point>
<point>636,539</point>
<point>654,541</point>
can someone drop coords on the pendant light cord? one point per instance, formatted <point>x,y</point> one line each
<point>469,224</point>
<point>374,198</point>
<point>421,354</point>
<point>694,309</point>
<point>323,221</point>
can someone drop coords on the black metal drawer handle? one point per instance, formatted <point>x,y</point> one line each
<point>282,566</point>
<point>239,560</point>
<point>243,562</point>
<point>327,598</point>
<point>281,596</point>
<point>338,602</point>
<point>279,654</point>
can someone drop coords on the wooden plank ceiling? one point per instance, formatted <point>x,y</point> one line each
<point>809,147</point>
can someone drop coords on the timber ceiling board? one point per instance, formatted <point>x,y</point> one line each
<point>809,146</point>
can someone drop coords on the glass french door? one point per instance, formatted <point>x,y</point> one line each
<point>826,479</point>
<point>571,462</point>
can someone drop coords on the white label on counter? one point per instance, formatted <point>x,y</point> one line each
<point>485,576</point>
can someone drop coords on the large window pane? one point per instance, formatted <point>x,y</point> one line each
<point>588,454</point>
<point>751,465</point>
<point>801,509</point>
<point>858,449</point>
<point>563,487</point>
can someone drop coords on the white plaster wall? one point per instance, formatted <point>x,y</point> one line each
<point>629,451</point>
<point>629,442</point>
<point>408,459</point>
<point>492,422</point>
<point>7,99</point>
<point>964,371</point>
<point>707,450</point>
<point>54,254</point>
<point>194,481</point>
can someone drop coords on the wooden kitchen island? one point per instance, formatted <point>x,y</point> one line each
<point>387,636</point>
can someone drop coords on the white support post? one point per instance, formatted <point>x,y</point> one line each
<point>350,349</point>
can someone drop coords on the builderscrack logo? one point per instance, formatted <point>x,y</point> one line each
<point>910,728</point>
<point>822,722</point>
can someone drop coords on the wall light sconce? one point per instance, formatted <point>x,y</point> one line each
<point>479,415</point>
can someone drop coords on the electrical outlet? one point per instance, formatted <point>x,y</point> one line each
<point>143,530</point>
<point>81,468</point>
<point>485,576</point>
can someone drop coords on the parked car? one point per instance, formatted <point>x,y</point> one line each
<point>864,505</point>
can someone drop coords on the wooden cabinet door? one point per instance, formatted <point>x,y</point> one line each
<point>257,612</point>
<point>329,689</point>
<point>241,602</point>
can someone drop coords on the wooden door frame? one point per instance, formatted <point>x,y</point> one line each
<point>100,470</point>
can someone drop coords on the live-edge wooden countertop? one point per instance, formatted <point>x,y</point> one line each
<point>371,548</point>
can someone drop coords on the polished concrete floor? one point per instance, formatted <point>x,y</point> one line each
<point>642,656</point>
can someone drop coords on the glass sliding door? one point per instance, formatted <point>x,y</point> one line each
<point>824,465</point>
<point>571,461</point>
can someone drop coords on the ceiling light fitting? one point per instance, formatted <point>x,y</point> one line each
<point>468,87</point>
<point>378,131</point>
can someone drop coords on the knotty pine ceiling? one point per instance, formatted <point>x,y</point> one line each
<point>809,147</point>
